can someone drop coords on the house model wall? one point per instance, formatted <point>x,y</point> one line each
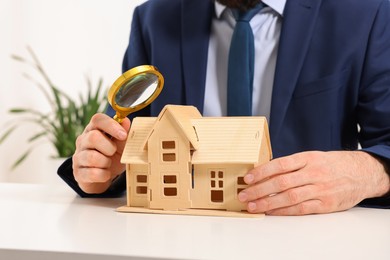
<point>181,161</point>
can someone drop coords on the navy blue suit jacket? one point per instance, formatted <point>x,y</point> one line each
<point>332,72</point>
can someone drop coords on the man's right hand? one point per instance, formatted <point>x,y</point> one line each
<point>96,161</point>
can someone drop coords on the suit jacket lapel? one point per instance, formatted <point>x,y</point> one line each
<point>298,23</point>
<point>196,24</point>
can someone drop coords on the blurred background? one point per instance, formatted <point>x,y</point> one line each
<point>73,39</point>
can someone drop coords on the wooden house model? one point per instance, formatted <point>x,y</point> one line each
<point>183,163</point>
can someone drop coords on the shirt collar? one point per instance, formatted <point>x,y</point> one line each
<point>277,5</point>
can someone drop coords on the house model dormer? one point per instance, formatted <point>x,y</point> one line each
<point>183,163</point>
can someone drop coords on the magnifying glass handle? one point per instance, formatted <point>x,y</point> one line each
<point>118,119</point>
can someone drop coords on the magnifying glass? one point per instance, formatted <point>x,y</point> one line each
<point>134,90</point>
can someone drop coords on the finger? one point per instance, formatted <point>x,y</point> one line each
<point>92,175</point>
<point>276,184</point>
<point>107,125</point>
<point>92,159</point>
<point>97,140</point>
<point>94,188</point>
<point>126,124</point>
<point>304,208</point>
<point>121,143</point>
<point>277,166</point>
<point>281,200</point>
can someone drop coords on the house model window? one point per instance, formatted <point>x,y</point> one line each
<point>216,189</point>
<point>170,185</point>
<point>141,184</point>
<point>183,162</point>
<point>168,151</point>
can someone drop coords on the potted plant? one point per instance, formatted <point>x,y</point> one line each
<point>65,121</point>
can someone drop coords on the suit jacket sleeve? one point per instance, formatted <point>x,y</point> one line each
<point>374,103</point>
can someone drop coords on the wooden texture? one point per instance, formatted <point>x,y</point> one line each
<point>181,160</point>
<point>192,212</point>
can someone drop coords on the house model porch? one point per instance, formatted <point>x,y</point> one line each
<point>183,163</point>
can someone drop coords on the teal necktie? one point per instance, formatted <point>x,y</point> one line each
<point>241,64</point>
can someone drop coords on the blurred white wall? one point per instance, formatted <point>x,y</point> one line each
<point>72,38</point>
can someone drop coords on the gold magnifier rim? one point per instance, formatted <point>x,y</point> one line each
<point>122,112</point>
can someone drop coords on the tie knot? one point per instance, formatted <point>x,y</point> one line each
<point>246,16</point>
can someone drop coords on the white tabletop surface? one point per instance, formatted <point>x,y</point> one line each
<point>42,222</point>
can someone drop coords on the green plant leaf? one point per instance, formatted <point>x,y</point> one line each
<point>37,136</point>
<point>25,111</point>
<point>7,133</point>
<point>67,118</point>
<point>19,110</point>
<point>21,159</point>
<point>18,58</point>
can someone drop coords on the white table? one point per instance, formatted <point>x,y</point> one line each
<point>41,222</point>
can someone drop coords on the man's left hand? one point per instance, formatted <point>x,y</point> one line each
<point>314,182</point>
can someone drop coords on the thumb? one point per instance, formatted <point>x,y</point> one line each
<point>126,124</point>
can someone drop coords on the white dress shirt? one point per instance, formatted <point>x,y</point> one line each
<point>266,26</point>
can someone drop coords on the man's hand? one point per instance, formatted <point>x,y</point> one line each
<point>314,182</point>
<point>96,161</point>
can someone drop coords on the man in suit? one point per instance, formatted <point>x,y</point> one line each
<point>322,78</point>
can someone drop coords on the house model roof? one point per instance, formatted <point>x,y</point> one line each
<point>214,139</point>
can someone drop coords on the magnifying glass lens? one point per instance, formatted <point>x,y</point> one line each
<point>137,90</point>
<point>134,90</point>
